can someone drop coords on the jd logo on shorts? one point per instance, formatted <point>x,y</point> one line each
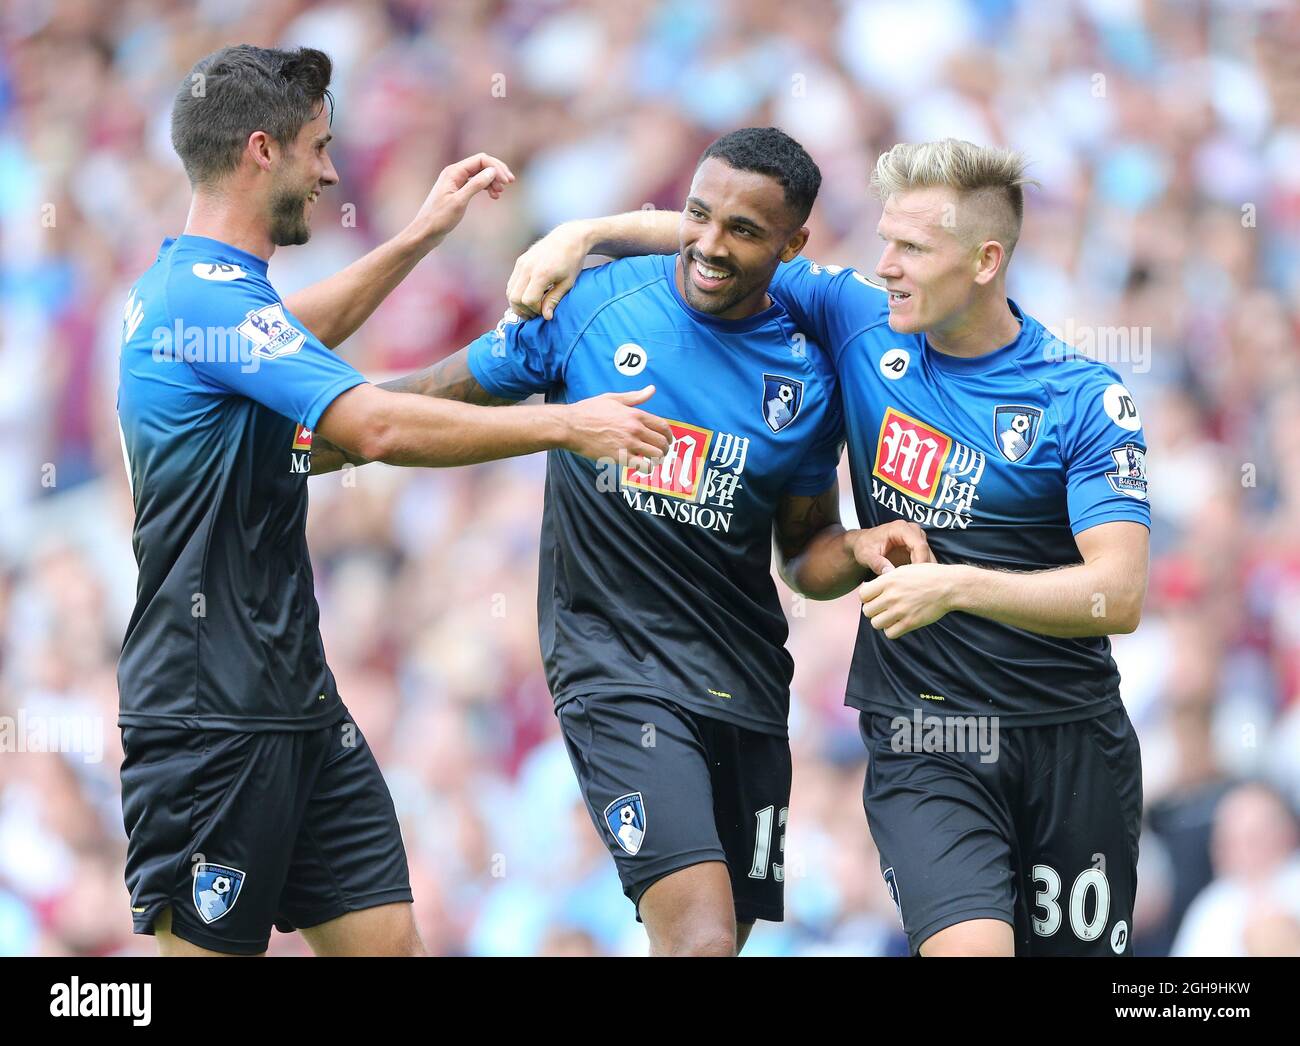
<point>216,889</point>
<point>626,819</point>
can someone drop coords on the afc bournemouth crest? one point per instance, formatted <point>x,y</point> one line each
<point>892,882</point>
<point>626,819</point>
<point>216,889</point>
<point>782,398</point>
<point>1015,428</point>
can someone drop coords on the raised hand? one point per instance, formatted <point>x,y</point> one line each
<point>459,183</point>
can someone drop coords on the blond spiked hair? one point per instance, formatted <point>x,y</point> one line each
<point>990,178</point>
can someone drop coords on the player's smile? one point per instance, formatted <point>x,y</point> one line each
<point>705,276</point>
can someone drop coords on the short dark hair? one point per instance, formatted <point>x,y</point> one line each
<point>770,151</point>
<point>233,92</point>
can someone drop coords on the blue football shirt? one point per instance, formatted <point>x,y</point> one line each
<point>1003,459</point>
<point>660,582</point>
<point>219,389</point>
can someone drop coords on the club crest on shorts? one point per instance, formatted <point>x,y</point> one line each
<point>626,819</point>
<point>782,398</point>
<point>216,889</point>
<point>1015,428</point>
<point>892,883</point>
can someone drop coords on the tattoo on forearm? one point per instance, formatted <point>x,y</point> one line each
<point>321,448</point>
<point>799,518</point>
<point>449,379</point>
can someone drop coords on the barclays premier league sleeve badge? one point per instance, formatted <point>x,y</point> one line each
<point>216,889</point>
<point>271,332</point>
<point>1130,475</point>
<point>625,817</point>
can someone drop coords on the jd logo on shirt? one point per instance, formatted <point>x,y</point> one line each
<point>894,363</point>
<point>1120,408</point>
<point>630,359</point>
<point>782,398</point>
<point>222,272</point>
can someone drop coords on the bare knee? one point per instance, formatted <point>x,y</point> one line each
<point>385,930</point>
<point>691,912</point>
<point>708,938</point>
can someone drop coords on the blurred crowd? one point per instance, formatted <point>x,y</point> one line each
<point>1166,232</point>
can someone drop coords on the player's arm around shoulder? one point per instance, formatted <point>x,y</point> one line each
<point>548,270</point>
<point>830,302</point>
<point>819,558</point>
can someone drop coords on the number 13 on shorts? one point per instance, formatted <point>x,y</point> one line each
<point>763,844</point>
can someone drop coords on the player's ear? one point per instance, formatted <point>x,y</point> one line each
<point>989,260</point>
<point>795,245</point>
<point>261,147</point>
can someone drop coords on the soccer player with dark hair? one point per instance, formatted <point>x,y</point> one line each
<point>248,794</point>
<point>661,628</point>
<point>1025,464</point>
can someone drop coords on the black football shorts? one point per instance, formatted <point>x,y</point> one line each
<point>238,831</point>
<point>667,788</point>
<point>1039,830</point>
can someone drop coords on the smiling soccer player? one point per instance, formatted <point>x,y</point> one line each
<point>1025,464</point>
<point>661,628</point>
<point>248,794</point>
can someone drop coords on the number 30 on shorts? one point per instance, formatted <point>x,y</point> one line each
<point>1046,898</point>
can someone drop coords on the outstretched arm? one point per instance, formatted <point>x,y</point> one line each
<point>374,424</point>
<point>335,307</point>
<point>449,379</point>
